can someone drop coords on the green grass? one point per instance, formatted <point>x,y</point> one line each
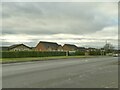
<point>11,60</point>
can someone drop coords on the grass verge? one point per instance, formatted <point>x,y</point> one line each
<point>15,60</point>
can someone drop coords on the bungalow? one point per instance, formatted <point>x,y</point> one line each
<point>19,47</point>
<point>69,47</point>
<point>46,46</point>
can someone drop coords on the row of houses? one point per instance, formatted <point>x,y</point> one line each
<point>44,46</point>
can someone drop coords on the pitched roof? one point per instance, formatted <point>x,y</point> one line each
<point>16,45</point>
<point>71,46</point>
<point>60,45</point>
<point>81,48</point>
<point>52,45</point>
<point>91,48</point>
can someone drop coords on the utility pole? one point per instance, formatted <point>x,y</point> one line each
<point>105,48</point>
<point>67,53</point>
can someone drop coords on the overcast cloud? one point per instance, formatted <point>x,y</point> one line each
<point>83,24</point>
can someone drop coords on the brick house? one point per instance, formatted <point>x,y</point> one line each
<point>46,46</point>
<point>82,49</point>
<point>19,47</point>
<point>60,48</point>
<point>69,47</point>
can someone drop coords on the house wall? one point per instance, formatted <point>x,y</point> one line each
<point>60,48</point>
<point>67,48</point>
<point>50,49</point>
<point>20,48</point>
<point>40,47</point>
<point>82,50</point>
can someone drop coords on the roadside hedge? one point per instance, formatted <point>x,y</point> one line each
<point>95,53</point>
<point>21,54</point>
<point>77,53</point>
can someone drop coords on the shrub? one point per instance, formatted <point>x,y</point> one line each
<point>95,52</point>
<point>77,53</point>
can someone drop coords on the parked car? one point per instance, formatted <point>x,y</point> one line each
<point>115,55</point>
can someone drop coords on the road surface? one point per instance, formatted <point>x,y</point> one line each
<point>98,72</point>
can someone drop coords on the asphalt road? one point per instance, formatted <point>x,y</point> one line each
<point>99,72</point>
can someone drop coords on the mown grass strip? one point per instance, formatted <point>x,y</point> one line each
<point>15,60</point>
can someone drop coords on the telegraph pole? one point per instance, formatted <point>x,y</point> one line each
<point>67,53</point>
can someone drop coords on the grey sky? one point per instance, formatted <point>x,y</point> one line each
<point>71,22</point>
